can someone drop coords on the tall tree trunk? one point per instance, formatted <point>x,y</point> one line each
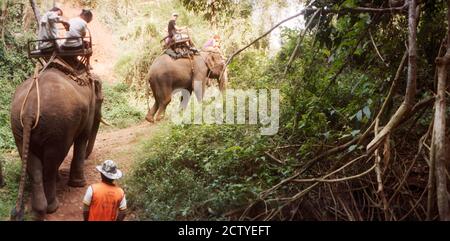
<point>439,131</point>
<point>36,11</point>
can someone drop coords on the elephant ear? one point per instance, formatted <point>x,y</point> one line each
<point>215,64</point>
<point>97,86</point>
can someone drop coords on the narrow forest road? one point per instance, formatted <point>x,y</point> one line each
<point>115,144</point>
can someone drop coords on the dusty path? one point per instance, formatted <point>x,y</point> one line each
<point>118,145</point>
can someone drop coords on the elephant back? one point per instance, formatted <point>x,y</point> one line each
<point>82,78</point>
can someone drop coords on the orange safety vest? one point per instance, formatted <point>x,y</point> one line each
<point>105,202</point>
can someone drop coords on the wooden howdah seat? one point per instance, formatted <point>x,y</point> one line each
<point>45,55</point>
<point>35,52</point>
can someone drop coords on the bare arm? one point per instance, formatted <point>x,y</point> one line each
<point>66,25</point>
<point>121,215</point>
<point>85,212</point>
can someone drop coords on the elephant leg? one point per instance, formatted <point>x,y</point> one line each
<point>76,178</point>
<point>38,199</point>
<point>184,101</point>
<point>199,90</point>
<point>50,179</point>
<point>162,108</point>
<point>151,113</point>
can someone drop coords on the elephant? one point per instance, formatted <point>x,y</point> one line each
<point>67,113</point>
<point>167,74</point>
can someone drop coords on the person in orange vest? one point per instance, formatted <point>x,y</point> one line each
<point>105,201</point>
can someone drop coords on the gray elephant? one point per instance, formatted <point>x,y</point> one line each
<point>69,113</point>
<point>167,74</point>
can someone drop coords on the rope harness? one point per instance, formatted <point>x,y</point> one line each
<point>36,76</point>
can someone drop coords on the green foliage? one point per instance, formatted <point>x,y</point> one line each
<point>8,193</point>
<point>330,95</point>
<point>181,175</point>
<point>15,67</point>
<point>216,10</point>
<point>117,106</point>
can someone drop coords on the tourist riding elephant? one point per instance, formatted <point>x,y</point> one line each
<point>167,74</point>
<point>45,125</point>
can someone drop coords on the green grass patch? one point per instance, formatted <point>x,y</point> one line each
<point>120,106</point>
<point>8,194</point>
<point>198,172</point>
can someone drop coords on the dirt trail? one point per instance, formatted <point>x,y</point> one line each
<point>119,145</point>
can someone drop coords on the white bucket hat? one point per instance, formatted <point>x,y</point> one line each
<point>175,14</point>
<point>109,169</point>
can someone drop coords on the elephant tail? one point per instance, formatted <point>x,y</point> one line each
<point>17,213</point>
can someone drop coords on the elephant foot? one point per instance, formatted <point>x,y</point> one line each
<point>150,119</point>
<point>77,182</point>
<point>52,207</point>
<point>38,216</point>
<point>160,118</point>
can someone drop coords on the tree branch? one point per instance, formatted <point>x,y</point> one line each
<point>299,42</point>
<point>408,102</point>
<point>324,11</point>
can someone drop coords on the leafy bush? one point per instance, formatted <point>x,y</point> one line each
<point>15,67</point>
<point>118,108</point>
<point>8,194</point>
<point>198,172</point>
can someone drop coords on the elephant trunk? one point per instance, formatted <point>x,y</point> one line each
<point>94,131</point>
<point>223,80</point>
<point>98,95</point>
<point>17,214</point>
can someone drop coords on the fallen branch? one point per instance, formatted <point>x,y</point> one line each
<point>380,189</point>
<point>273,157</point>
<point>338,179</point>
<point>388,97</point>
<point>332,151</point>
<point>305,191</point>
<point>408,171</point>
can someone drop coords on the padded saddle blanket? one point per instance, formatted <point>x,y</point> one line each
<point>179,53</point>
<point>81,77</point>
